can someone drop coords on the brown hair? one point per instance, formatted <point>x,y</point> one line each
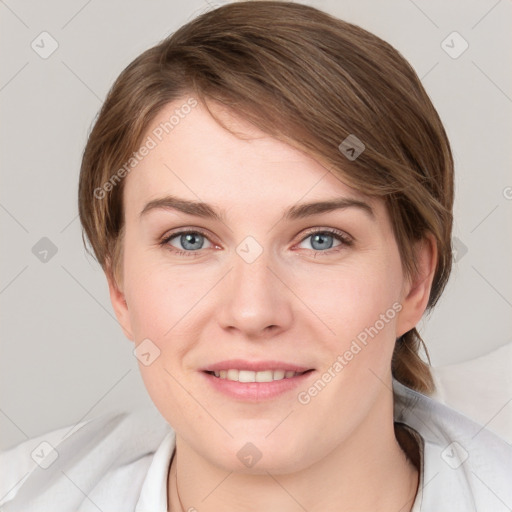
<point>308,79</point>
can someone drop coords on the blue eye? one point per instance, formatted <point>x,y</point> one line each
<point>322,241</point>
<point>191,242</point>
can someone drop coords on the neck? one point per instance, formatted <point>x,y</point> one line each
<point>368,471</point>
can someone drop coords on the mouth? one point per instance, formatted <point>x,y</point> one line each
<point>251,381</point>
<point>269,375</point>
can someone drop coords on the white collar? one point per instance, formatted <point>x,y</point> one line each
<point>153,496</point>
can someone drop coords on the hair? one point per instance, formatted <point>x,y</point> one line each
<point>308,79</point>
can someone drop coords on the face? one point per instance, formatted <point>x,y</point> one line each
<point>258,287</point>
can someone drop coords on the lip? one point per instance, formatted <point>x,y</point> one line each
<point>256,391</point>
<point>255,366</point>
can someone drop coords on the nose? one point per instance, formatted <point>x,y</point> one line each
<point>256,301</point>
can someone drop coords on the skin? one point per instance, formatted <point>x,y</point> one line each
<point>340,448</point>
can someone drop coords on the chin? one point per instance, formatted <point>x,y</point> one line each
<point>256,455</point>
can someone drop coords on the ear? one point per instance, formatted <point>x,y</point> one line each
<point>416,290</point>
<point>119,303</point>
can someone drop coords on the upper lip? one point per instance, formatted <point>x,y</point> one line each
<point>255,366</point>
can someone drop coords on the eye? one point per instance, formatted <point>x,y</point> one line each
<point>191,241</point>
<point>321,241</point>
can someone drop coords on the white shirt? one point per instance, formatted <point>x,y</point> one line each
<point>120,462</point>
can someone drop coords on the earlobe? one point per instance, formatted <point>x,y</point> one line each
<point>416,291</point>
<point>119,304</point>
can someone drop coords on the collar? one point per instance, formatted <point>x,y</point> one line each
<point>153,495</point>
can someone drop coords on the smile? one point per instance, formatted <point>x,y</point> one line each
<point>252,376</point>
<point>256,386</point>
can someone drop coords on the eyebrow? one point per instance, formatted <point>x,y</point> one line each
<point>300,211</point>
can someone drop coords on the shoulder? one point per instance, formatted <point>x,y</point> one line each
<point>81,466</point>
<point>465,466</point>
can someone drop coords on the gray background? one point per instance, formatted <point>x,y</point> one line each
<point>63,355</point>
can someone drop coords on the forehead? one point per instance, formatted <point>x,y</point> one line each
<point>190,155</point>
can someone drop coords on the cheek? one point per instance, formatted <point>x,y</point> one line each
<point>351,298</point>
<point>159,294</point>
<point>150,308</point>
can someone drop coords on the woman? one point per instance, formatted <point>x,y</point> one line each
<point>269,192</point>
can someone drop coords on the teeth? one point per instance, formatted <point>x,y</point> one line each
<point>250,376</point>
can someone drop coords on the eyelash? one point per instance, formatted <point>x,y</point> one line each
<point>342,237</point>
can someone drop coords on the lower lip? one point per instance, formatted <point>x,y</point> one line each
<point>256,391</point>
